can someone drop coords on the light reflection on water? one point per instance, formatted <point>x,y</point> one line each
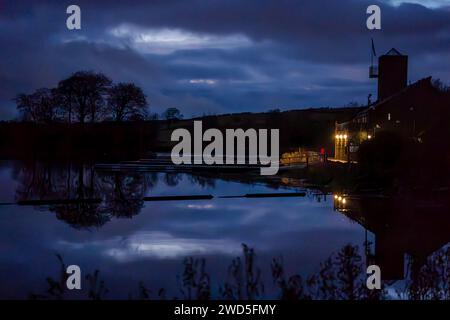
<point>132,241</point>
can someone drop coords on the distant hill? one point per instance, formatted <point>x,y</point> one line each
<point>309,128</point>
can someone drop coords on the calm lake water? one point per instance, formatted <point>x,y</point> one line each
<point>131,241</point>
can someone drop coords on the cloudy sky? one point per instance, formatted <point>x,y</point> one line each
<point>218,56</point>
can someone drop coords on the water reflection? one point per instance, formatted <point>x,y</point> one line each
<point>406,231</point>
<point>410,245</point>
<point>154,254</point>
<point>121,193</point>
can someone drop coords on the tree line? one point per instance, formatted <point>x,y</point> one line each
<point>87,96</point>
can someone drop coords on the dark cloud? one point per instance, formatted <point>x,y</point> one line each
<point>219,56</point>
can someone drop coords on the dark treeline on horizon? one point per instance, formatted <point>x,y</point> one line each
<point>90,97</point>
<point>83,97</point>
<point>86,115</point>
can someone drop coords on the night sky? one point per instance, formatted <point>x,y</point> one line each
<point>212,57</point>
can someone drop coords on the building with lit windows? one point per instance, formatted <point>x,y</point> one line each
<point>411,110</point>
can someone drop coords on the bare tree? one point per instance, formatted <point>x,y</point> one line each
<point>126,101</point>
<point>172,114</point>
<point>40,106</point>
<point>441,86</point>
<point>83,94</point>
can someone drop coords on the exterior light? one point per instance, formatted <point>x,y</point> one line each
<point>337,136</point>
<point>339,198</point>
<point>335,196</point>
<point>345,136</point>
<point>369,137</point>
<point>344,201</point>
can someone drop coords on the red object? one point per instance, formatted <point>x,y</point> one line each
<point>322,151</point>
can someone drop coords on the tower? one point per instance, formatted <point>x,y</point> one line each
<point>392,73</point>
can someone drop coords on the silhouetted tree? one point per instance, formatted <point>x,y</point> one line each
<point>441,86</point>
<point>126,101</point>
<point>172,179</point>
<point>40,106</point>
<point>172,114</point>
<point>153,116</point>
<point>123,193</point>
<point>44,181</point>
<point>83,94</point>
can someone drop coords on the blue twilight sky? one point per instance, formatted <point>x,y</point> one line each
<point>220,56</point>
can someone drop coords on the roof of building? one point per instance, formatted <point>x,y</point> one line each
<point>421,82</point>
<point>393,52</point>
